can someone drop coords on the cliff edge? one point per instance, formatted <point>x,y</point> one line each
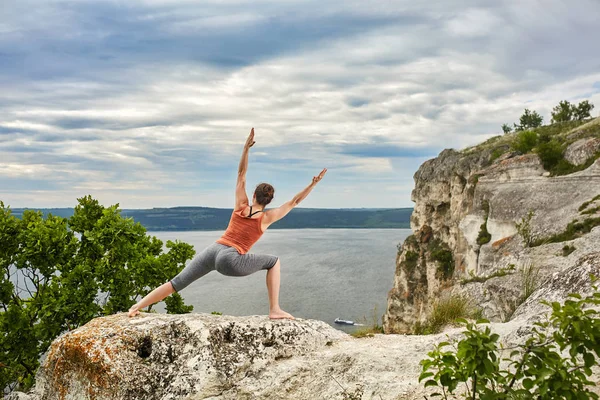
<point>486,215</point>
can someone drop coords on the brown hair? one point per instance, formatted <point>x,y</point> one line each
<point>264,194</point>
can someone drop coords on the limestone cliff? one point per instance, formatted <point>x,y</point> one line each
<point>467,207</point>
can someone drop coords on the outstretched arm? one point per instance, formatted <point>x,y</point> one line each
<point>241,199</point>
<point>277,213</point>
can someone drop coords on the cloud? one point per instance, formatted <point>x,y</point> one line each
<point>148,103</point>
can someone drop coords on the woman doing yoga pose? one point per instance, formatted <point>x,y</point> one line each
<point>229,254</point>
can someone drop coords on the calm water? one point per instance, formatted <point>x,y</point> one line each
<point>326,273</point>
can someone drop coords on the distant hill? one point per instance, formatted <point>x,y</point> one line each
<point>206,218</point>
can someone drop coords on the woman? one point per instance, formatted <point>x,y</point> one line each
<point>229,254</point>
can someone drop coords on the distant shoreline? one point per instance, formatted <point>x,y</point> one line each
<point>189,219</point>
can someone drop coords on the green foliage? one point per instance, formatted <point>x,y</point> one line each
<point>563,167</point>
<point>484,236</point>
<point>550,153</point>
<point>216,313</point>
<point>566,250</point>
<point>583,110</point>
<point>563,112</point>
<point>574,230</point>
<point>525,141</point>
<point>528,120</point>
<point>410,262</point>
<point>587,203</point>
<point>93,264</point>
<point>443,312</point>
<point>441,253</point>
<point>506,128</point>
<point>499,273</point>
<point>554,363</point>
<point>525,230</point>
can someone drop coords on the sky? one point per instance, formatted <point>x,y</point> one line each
<point>148,103</point>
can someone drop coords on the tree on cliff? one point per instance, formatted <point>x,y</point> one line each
<point>528,120</point>
<point>583,110</point>
<point>58,274</point>
<point>565,111</point>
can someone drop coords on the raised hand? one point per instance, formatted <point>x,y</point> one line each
<point>250,141</point>
<point>316,179</point>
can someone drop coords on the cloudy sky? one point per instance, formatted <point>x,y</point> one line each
<point>147,103</point>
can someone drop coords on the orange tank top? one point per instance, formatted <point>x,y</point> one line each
<point>242,232</point>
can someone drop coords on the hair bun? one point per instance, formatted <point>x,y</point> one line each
<point>264,193</point>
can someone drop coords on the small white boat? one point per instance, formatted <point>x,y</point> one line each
<point>343,322</point>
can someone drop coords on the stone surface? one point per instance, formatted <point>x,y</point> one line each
<point>160,356</point>
<point>200,356</point>
<point>582,150</point>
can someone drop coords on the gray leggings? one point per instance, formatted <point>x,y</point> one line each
<point>224,259</point>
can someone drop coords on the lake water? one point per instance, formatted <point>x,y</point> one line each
<point>325,274</point>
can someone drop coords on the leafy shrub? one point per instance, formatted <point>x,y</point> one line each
<point>525,141</point>
<point>554,365</point>
<point>441,253</point>
<point>410,262</point>
<point>484,236</point>
<point>550,153</point>
<point>506,128</point>
<point>66,264</point>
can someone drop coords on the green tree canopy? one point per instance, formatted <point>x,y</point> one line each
<point>58,274</point>
<point>563,112</point>
<point>529,119</point>
<point>583,110</point>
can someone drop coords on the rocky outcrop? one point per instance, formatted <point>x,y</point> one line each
<point>582,150</point>
<point>198,356</point>
<point>469,205</point>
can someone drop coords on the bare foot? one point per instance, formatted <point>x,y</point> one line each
<point>133,311</point>
<point>280,314</point>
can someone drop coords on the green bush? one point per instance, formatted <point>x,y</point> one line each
<point>68,263</point>
<point>550,153</point>
<point>484,236</point>
<point>555,362</point>
<point>410,262</point>
<point>525,141</point>
<point>574,230</point>
<point>441,253</point>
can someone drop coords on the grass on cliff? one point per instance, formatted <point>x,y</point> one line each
<point>372,327</point>
<point>444,312</point>
<point>575,228</point>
